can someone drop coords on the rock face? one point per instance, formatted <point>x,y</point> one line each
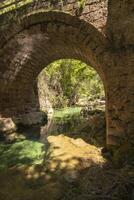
<point>95,32</point>
<point>43,94</point>
<point>96,119</point>
<point>7,129</point>
<point>32,118</point>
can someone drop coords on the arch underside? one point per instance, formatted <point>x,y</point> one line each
<point>41,39</point>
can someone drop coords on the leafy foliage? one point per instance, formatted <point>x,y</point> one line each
<point>71,80</point>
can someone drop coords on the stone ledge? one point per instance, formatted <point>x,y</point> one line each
<point>33,118</point>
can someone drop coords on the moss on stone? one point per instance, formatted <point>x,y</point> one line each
<point>81,4</point>
<point>10,5</point>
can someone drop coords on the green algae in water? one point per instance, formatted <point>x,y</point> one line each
<point>22,152</point>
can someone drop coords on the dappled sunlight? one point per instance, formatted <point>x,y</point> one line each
<point>71,154</point>
<point>66,100</point>
<point>22,152</point>
<point>76,122</point>
<point>71,169</point>
<point>65,158</point>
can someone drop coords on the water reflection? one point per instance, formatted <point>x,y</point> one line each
<point>44,131</point>
<point>71,122</point>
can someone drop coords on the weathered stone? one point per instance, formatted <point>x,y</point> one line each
<point>7,126</point>
<point>99,34</point>
<point>43,94</point>
<point>9,138</point>
<point>33,118</point>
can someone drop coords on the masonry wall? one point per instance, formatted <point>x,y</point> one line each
<point>97,32</point>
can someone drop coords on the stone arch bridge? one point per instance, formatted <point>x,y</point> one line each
<point>34,33</point>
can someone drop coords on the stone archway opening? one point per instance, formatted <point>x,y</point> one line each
<point>72,93</point>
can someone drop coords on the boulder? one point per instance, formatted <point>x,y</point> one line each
<point>7,125</point>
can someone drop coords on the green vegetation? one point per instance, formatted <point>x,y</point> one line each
<point>81,4</point>
<point>71,80</point>
<point>72,169</point>
<point>67,81</point>
<point>21,152</point>
<point>70,122</point>
<point>31,152</point>
<point>9,5</point>
<point>68,111</point>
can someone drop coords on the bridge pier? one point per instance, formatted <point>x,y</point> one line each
<point>120,106</point>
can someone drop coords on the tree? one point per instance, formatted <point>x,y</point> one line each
<point>70,80</point>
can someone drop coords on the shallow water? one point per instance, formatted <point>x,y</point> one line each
<point>66,167</point>
<point>70,122</point>
<point>30,146</point>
